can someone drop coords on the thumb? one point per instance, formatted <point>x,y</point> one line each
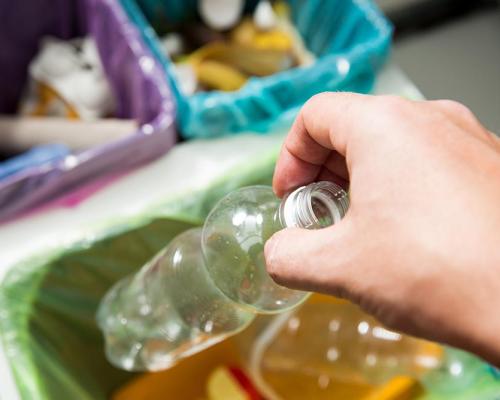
<point>312,260</point>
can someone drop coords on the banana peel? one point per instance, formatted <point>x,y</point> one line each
<point>250,51</point>
<point>217,75</point>
<point>247,34</point>
<point>248,60</point>
<point>398,388</point>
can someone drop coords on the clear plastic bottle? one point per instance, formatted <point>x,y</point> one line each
<point>351,353</point>
<point>168,310</point>
<point>236,230</point>
<point>458,372</point>
<point>207,284</point>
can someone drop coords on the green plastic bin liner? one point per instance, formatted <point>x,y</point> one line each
<point>48,301</point>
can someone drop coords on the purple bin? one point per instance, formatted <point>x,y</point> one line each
<point>137,81</point>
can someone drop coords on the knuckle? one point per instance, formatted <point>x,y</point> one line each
<point>393,104</point>
<point>457,108</point>
<point>317,98</point>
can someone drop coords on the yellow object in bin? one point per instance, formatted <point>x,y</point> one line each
<point>231,383</point>
<point>318,298</point>
<point>186,381</point>
<point>247,34</point>
<point>66,79</point>
<point>288,385</point>
<point>248,60</point>
<point>222,385</point>
<point>398,388</point>
<point>49,102</point>
<point>220,76</point>
<point>329,348</point>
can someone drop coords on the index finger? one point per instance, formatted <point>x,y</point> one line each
<point>321,127</point>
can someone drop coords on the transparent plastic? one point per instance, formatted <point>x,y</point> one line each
<point>236,230</point>
<point>168,310</point>
<point>209,283</point>
<point>458,372</point>
<point>327,345</point>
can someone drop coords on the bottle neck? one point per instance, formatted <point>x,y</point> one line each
<point>315,206</point>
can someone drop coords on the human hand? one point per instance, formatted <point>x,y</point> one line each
<point>419,247</point>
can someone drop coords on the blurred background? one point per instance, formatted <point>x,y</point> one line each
<point>450,49</point>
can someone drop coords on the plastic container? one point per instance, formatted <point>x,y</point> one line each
<point>350,39</point>
<point>236,230</point>
<point>208,284</point>
<point>140,88</point>
<point>329,342</point>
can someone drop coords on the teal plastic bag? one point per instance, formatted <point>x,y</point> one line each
<point>350,38</point>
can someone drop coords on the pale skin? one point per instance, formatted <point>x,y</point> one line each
<point>419,247</point>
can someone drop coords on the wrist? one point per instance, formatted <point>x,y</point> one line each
<point>487,336</point>
<point>482,335</point>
